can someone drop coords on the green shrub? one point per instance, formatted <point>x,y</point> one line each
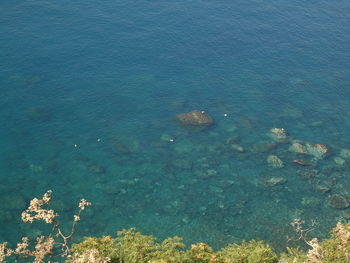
<point>200,253</point>
<point>133,247</point>
<point>336,249</point>
<point>170,251</point>
<point>249,252</point>
<point>293,255</point>
<point>106,247</point>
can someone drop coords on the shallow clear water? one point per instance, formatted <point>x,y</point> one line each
<point>89,92</point>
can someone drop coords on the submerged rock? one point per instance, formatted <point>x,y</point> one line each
<point>232,139</point>
<point>91,165</point>
<point>345,153</point>
<point>96,168</point>
<point>125,144</point>
<point>274,161</point>
<point>247,123</point>
<point>317,150</point>
<point>346,214</point>
<point>323,189</point>
<point>311,202</point>
<point>195,117</point>
<point>308,173</point>
<point>278,134</point>
<point>339,201</point>
<point>231,129</point>
<point>237,148</point>
<point>263,147</point>
<point>339,161</point>
<point>297,148</point>
<point>274,180</point>
<point>302,162</point>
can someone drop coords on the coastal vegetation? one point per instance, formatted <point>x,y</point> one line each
<point>130,246</point>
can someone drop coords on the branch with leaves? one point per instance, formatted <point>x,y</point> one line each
<point>45,246</point>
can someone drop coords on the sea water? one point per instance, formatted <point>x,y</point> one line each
<point>89,95</point>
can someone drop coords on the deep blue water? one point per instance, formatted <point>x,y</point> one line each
<point>89,91</point>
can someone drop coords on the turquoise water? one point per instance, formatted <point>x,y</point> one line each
<point>89,92</point>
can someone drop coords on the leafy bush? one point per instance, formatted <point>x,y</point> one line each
<point>293,255</point>
<point>249,252</point>
<point>130,246</point>
<point>133,247</point>
<point>337,248</point>
<point>104,247</point>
